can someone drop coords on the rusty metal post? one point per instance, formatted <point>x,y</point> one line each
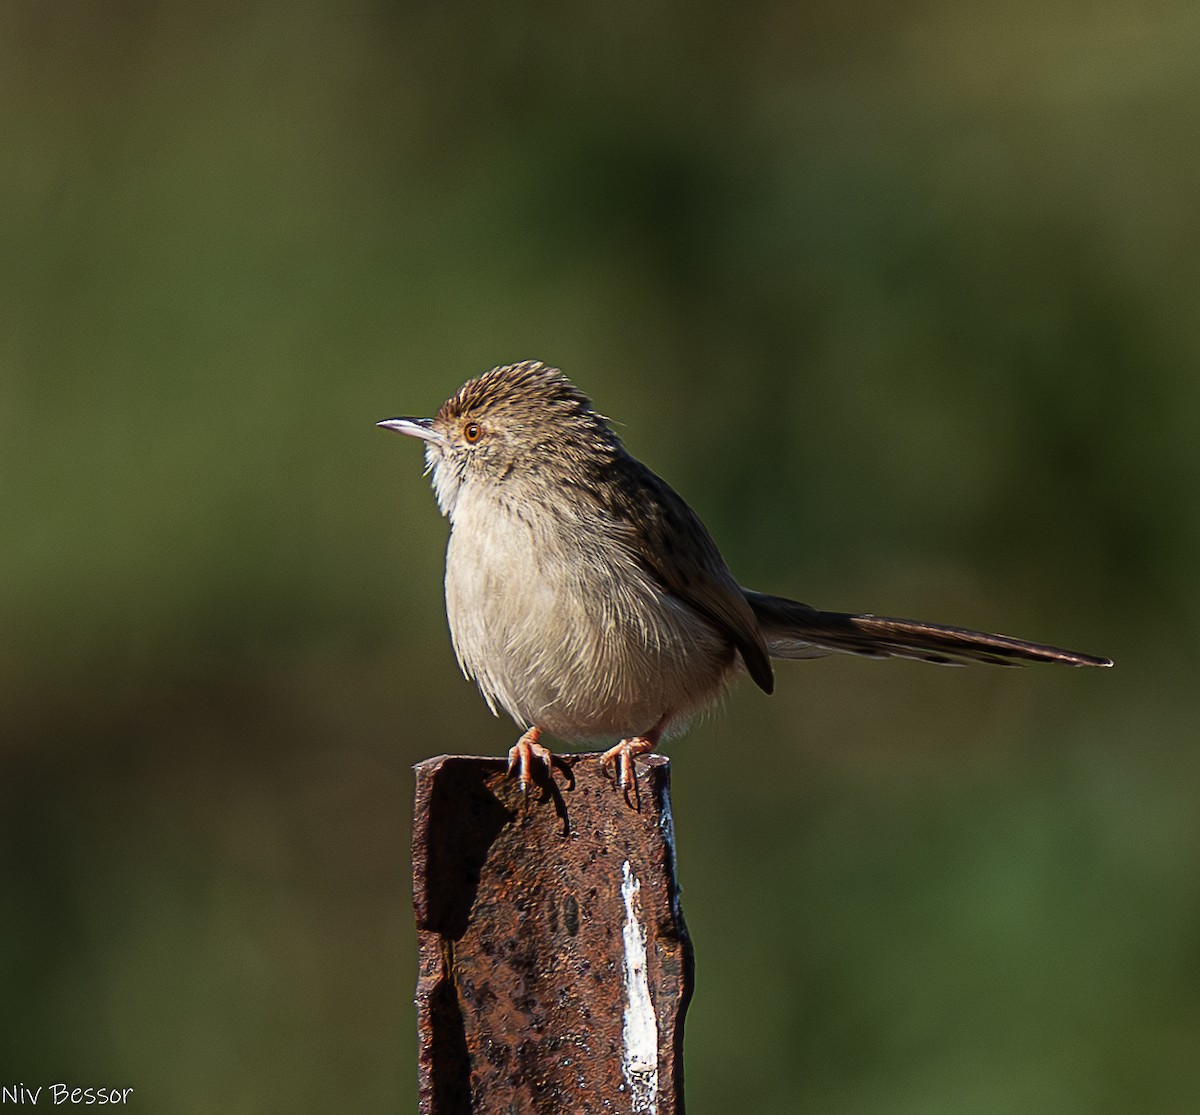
<point>555,966</point>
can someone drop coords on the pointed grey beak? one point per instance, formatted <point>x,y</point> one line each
<point>413,427</point>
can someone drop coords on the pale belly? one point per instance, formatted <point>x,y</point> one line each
<point>585,646</point>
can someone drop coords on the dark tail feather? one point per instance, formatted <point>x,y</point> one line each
<point>794,630</point>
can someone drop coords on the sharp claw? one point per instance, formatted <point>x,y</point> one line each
<point>521,757</point>
<point>623,760</point>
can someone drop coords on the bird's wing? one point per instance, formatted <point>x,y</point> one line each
<point>673,545</point>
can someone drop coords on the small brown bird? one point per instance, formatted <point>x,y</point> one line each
<point>586,598</point>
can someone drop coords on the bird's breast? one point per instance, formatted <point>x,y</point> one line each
<point>562,627</point>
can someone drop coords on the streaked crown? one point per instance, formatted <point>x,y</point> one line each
<point>516,396</point>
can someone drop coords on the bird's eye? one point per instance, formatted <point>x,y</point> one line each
<point>472,432</point>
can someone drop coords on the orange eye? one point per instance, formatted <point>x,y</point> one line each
<point>472,432</point>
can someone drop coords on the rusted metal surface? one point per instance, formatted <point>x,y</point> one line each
<point>555,967</point>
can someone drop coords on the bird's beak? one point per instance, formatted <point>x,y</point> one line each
<point>414,427</point>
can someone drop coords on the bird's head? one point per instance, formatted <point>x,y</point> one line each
<point>512,425</point>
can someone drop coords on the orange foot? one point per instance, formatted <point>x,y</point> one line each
<point>621,759</point>
<point>522,754</point>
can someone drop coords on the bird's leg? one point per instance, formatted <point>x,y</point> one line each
<point>622,759</point>
<point>522,754</point>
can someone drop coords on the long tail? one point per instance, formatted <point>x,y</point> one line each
<point>794,630</point>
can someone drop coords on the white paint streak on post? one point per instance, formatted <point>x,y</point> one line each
<point>640,1031</point>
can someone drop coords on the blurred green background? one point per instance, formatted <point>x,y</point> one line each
<point>903,298</point>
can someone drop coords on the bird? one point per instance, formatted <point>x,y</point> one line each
<point>588,601</point>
